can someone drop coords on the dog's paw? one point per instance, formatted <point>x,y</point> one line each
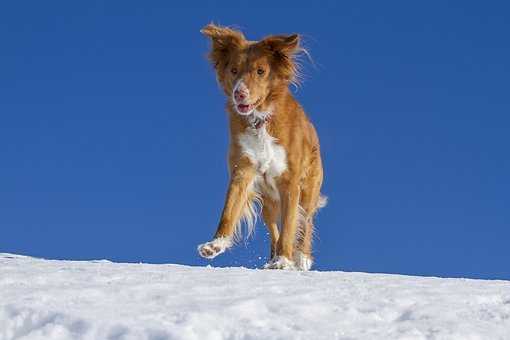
<point>303,262</point>
<point>211,249</point>
<point>280,262</point>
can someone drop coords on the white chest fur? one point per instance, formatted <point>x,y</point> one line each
<point>263,151</point>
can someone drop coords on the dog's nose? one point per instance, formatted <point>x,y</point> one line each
<point>240,95</point>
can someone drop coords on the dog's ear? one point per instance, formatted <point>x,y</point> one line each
<point>284,50</point>
<point>224,40</point>
<point>284,44</point>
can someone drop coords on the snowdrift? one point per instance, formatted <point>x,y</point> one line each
<point>42,299</point>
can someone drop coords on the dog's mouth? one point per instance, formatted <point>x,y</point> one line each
<point>246,109</point>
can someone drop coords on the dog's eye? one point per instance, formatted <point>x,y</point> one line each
<point>260,71</point>
<point>233,70</point>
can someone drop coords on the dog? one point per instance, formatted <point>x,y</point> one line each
<point>274,155</point>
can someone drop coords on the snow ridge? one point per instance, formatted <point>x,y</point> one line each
<point>42,299</point>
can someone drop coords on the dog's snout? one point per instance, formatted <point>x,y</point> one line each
<point>240,94</point>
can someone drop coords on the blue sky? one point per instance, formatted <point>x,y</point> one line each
<point>113,136</point>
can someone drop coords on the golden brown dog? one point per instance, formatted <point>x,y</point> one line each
<point>274,155</point>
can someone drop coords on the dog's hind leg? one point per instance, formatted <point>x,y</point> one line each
<point>271,215</point>
<point>310,201</point>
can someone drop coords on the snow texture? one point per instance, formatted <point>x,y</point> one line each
<point>42,299</point>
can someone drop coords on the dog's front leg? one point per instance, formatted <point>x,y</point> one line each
<point>241,178</point>
<point>289,193</point>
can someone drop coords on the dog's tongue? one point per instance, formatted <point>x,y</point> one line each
<point>243,108</point>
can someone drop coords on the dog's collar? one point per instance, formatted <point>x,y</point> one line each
<point>256,121</point>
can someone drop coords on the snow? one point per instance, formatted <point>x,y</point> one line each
<point>43,299</point>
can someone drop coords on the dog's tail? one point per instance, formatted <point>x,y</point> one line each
<point>322,202</point>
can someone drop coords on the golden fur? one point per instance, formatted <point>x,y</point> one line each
<point>265,69</point>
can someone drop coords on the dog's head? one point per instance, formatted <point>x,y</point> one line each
<point>252,72</point>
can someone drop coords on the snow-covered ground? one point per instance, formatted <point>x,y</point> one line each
<point>41,299</point>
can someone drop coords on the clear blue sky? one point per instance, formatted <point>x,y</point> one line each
<point>113,135</point>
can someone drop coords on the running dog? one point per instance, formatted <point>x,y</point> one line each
<point>274,154</point>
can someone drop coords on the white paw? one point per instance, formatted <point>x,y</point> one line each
<point>303,261</point>
<point>213,248</point>
<point>280,262</point>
